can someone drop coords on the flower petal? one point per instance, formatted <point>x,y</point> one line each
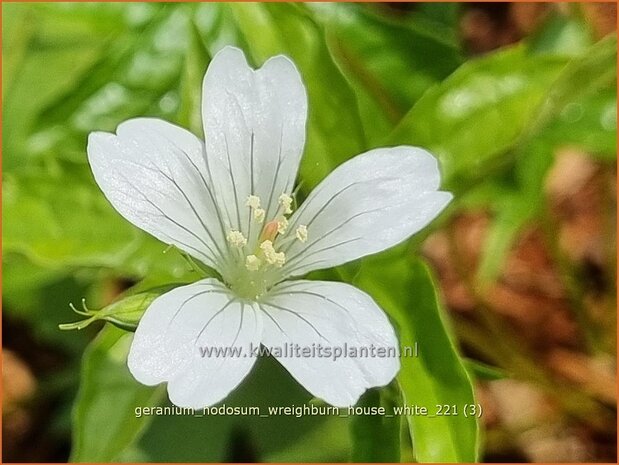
<point>181,337</point>
<point>254,124</point>
<point>330,315</point>
<point>154,174</point>
<point>370,203</point>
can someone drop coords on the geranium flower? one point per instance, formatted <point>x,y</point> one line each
<point>228,202</point>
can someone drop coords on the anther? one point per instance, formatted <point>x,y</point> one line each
<point>301,233</point>
<point>286,201</point>
<point>282,225</point>
<point>278,260</point>
<point>253,201</point>
<point>272,257</point>
<point>259,215</point>
<point>236,239</point>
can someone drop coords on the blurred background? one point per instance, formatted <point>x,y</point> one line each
<point>517,100</point>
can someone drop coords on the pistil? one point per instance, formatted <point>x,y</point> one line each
<point>259,252</point>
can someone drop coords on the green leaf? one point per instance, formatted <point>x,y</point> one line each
<point>515,200</point>
<point>327,442</point>
<point>437,376</point>
<point>128,77</point>
<point>562,34</point>
<point>573,114</point>
<point>594,71</point>
<point>124,313</point>
<point>581,106</point>
<point>196,61</point>
<point>105,421</point>
<point>483,371</point>
<point>588,123</point>
<point>480,111</point>
<point>47,40</point>
<point>37,296</point>
<point>577,112</point>
<point>397,59</point>
<point>513,212</point>
<point>390,60</point>
<point>440,19</point>
<point>68,231</point>
<point>376,437</point>
<point>70,227</point>
<point>17,32</point>
<point>117,62</point>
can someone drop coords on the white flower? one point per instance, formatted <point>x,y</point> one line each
<point>202,197</point>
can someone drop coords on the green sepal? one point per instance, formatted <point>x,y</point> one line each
<point>124,313</point>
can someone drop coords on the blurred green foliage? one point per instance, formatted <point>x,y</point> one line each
<point>437,376</point>
<point>373,78</point>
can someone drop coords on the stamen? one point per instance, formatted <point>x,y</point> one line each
<point>282,225</point>
<point>267,248</point>
<point>301,233</point>
<point>236,239</point>
<point>252,263</point>
<point>286,201</point>
<point>276,259</point>
<point>259,215</point>
<point>253,201</point>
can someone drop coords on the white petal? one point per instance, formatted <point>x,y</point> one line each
<point>168,341</point>
<point>254,124</point>
<point>313,313</point>
<point>370,203</point>
<point>155,175</point>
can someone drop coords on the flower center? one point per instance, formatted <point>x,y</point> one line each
<point>257,256</point>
